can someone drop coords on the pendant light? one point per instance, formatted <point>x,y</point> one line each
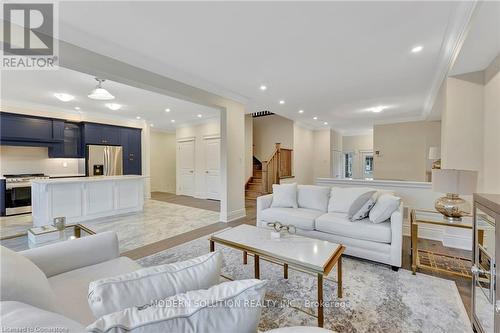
<point>99,92</point>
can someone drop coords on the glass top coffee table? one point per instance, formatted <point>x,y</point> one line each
<point>308,254</point>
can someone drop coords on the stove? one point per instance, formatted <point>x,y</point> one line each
<point>18,192</point>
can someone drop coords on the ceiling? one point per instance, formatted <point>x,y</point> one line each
<point>37,88</point>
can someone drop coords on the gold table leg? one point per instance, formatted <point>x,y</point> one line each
<point>245,256</point>
<point>320,300</point>
<point>78,232</point>
<point>285,271</point>
<point>212,246</point>
<point>339,277</point>
<point>256,266</point>
<point>414,247</point>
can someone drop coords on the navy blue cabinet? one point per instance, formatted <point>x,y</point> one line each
<point>99,134</point>
<point>17,129</point>
<point>71,147</point>
<point>131,141</point>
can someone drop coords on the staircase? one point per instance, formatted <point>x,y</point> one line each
<point>253,188</point>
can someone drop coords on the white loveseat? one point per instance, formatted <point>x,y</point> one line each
<point>381,242</point>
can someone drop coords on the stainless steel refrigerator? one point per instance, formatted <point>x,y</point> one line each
<point>104,160</point>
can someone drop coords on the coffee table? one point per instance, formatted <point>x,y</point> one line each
<point>307,254</point>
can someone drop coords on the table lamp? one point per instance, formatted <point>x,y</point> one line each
<point>435,155</point>
<point>453,182</point>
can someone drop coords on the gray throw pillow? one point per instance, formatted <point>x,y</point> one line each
<point>361,206</point>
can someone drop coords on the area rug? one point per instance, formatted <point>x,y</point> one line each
<point>376,299</point>
<point>158,221</point>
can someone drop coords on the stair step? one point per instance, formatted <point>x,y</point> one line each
<point>252,194</point>
<point>254,187</point>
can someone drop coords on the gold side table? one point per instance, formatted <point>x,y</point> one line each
<point>438,262</point>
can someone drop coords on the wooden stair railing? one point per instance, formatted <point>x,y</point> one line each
<point>277,167</point>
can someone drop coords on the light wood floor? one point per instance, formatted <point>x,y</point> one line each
<point>463,284</point>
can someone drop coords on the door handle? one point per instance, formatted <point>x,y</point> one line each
<point>191,171</point>
<point>206,171</point>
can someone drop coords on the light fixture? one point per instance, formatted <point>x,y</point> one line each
<point>167,110</point>
<point>315,118</point>
<point>325,123</point>
<point>113,106</point>
<point>263,87</point>
<point>301,111</point>
<point>417,49</point>
<point>138,117</point>
<point>172,121</point>
<point>377,109</point>
<point>99,92</point>
<point>152,125</point>
<point>199,116</point>
<point>282,102</point>
<point>64,97</point>
<point>77,108</point>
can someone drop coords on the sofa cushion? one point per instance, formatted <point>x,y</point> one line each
<point>284,195</point>
<point>21,280</point>
<point>17,315</point>
<point>339,224</point>
<point>341,198</point>
<point>361,206</point>
<point>116,293</point>
<point>313,197</point>
<point>384,207</point>
<point>299,217</point>
<point>227,307</point>
<point>71,288</point>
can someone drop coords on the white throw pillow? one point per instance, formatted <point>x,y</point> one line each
<point>284,196</point>
<point>140,287</point>
<point>384,207</point>
<point>228,307</point>
<point>313,197</point>
<point>360,208</point>
<point>17,315</point>
<point>21,280</point>
<point>341,198</point>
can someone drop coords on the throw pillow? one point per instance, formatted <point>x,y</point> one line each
<point>361,206</point>
<point>341,198</point>
<point>228,307</point>
<point>384,207</point>
<point>284,196</point>
<point>114,294</point>
<point>313,197</point>
<point>22,281</point>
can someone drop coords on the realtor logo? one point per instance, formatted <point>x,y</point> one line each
<point>28,36</point>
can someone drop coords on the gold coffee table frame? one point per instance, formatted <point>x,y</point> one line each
<point>335,259</point>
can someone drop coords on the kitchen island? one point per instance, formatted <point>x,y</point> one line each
<point>85,198</point>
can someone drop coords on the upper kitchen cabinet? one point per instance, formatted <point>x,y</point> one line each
<point>18,129</point>
<point>99,134</point>
<point>131,142</point>
<point>72,145</point>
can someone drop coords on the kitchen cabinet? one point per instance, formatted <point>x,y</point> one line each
<point>19,129</point>
<point>99,134</point>
<point>131,141</point>
<point>71,147</point>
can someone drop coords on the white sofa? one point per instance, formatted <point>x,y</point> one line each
<point>381,242</point>
<point>48,286</point>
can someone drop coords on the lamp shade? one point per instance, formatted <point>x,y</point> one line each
<point>454,181</point>
<point>434,153</point>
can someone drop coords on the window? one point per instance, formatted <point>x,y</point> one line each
<point>348,165</point>
<point>367,165</point>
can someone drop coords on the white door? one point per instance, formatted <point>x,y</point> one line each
<point>212,168</point>
<point>186,167</point>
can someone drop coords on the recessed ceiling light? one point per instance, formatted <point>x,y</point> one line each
<point>99,92</point>
<point>263,87</point>
<point>113,106</point>
<point>417,49</point>
<point>172,121</point>
<point>77,108</point>
<point>325,123</point>
<point>377,109</point>
<point>282,102</point>
<point>199,116</point>
<point>138,117</point>
<point>301,111</point>
<point>64,97</point>
<point>152,125</point>
<point>167,110</point>
<point>315,118</point>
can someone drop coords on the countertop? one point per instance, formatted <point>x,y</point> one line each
<point>85,179</point>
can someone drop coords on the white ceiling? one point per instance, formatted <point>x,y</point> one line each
<point>482,43</point>
<point>37,88</point>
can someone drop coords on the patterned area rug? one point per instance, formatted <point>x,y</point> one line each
<point>376,299</point>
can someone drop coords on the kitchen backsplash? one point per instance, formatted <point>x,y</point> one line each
<point>16,160</point>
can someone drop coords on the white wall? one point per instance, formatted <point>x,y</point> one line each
<point>303,141</point>
<point>356,144</point>
<point>248,146</point>
<point>163,161</point>
<point>198,133</point>
<point>322,153</point>
<point>269,130</point>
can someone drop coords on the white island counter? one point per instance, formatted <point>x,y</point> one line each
<point>85,198</point>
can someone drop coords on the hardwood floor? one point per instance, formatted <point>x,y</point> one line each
<point>463,284</point>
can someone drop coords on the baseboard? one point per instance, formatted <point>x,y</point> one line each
<point>232,216</point>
